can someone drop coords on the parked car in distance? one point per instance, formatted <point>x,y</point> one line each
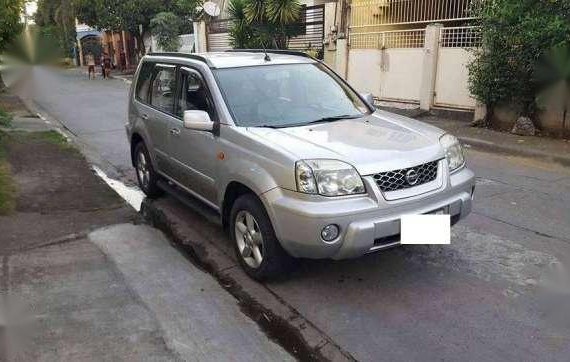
<point>296,163</point>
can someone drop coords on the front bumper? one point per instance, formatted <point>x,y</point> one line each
<point>368,223</point>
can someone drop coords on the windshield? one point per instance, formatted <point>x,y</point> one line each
<point>287,95</point>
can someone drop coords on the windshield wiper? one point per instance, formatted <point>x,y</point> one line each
<point>267,126</point>
<point>320,120</point>
<point>336,118</point>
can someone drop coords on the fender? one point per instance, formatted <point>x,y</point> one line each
<point>241,171</point>
<point>139,128</point>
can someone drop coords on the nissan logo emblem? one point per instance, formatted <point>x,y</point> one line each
<point>412,177</point>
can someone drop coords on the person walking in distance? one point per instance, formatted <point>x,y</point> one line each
<point>90,65</point>
<point>106,65</point>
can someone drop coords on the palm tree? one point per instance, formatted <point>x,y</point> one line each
<point>263,23</point>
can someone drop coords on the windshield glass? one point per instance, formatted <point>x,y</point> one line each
<point>286,95</point>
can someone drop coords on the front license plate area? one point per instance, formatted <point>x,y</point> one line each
<point>430,229</point>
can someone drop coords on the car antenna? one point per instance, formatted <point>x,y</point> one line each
<point>267,58</point>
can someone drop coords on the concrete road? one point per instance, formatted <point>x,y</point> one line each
<point>479,299</point>
<point>93,110</point>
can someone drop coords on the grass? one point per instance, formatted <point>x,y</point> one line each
<point>52,137</point>
<point>7,185</point>
<point>5,119</point>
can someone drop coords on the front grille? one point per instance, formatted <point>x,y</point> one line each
<point>406,177</point>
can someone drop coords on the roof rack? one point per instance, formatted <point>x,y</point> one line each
<point>272,51</point>
<point>183,55</point>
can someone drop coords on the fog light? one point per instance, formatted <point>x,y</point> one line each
<point>330,232</point>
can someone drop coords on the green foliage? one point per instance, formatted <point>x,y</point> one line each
<point>166,28</point>
<point>117,15</point>
<point>7,184</point>
<point>5,118</point>
<point>554,68</point>
<point>517,37</point>
<point>127,15</point>
<point>10,24</point>
<point>57,20</point>
<point>263,23</point>
<point>187,10</point>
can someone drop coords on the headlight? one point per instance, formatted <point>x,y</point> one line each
<point>453,151</point>
<point>328,178</point>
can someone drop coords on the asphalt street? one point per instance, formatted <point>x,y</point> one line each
<point>482,298</point>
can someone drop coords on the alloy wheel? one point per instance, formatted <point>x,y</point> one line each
<point>249,239</point>
<point>143,170</point>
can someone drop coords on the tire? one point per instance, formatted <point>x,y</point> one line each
<point>275,261</point>
<point>147,177</point>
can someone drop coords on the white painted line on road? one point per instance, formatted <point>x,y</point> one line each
<point>132,195</point>
<point>43,118</point>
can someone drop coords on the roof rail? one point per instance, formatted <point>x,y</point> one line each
<point>183,55</point>
<point>273,51</point>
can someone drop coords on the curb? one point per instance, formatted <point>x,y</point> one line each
<point>514,151</point>
<point>278,320</point>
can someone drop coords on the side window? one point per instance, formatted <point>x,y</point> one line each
<point>193,94</point>
<point>163,88</point>
<point>143,82</point>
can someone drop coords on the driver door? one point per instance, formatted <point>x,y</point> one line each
<point>193,152</point>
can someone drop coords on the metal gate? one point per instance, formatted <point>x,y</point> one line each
<point>312,31</point>
<point>311,24</point>
<point>218,36</point>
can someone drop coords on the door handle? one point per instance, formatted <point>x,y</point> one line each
<point>175,131</point>
<point>144,116</point>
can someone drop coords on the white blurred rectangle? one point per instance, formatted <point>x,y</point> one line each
<point>425,230</point>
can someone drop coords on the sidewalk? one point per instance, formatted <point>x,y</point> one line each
<point>82,279</point>
<point>544,148</point>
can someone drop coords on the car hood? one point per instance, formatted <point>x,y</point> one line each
<point>379,142</point>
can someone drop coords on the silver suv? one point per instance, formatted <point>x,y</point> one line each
<point>296,163</point>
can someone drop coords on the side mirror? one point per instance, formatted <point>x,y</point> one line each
<point>198,120</point>
<point>369,98</point>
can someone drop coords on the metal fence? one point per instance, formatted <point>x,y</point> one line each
<point>312,26</point>
<point>412,38</point>
<point>460,37</point>
<point>216,26</point>
<point>374,13</point>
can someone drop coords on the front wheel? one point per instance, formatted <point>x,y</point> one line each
<point>146,175</point>
<point>259,252</point>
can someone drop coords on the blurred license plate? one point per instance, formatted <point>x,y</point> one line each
<point>430,229</point>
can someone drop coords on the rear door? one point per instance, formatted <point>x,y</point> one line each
<point>156,94</point>
<point>193,153</point>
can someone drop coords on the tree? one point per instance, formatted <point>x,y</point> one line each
<point>188,11</point>
<point>57,21</point>
<point>117,15</point>
<point>517,35</point>
<point>166,27</point>
<point>264,23</point>
<point>10,25</point>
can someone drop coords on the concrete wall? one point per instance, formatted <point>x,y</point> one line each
<point>452,82</point>
<point>551,119</point>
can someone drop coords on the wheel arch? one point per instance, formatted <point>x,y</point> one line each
<point>232,192</point>
<point>136,138</point>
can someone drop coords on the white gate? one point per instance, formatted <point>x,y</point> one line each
<point>387,64</point>
<point>451,86</point>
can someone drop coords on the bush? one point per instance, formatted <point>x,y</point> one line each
<point>517,36</point>
<point>166,27</point>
